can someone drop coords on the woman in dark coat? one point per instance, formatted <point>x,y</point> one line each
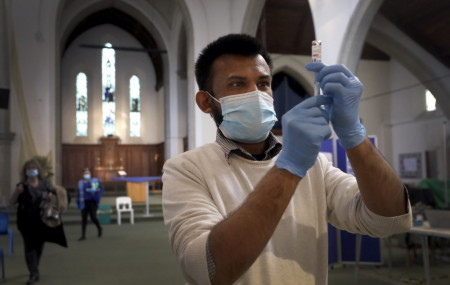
<point>29,194</point>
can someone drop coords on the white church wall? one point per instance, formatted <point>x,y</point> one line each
<point>374,111</point>
<point>413,129</point>
<point>34,46</point>
<point>408,102</point>
<point>32,32</point>
<point>79,59</point>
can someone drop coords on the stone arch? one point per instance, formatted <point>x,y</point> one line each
<point>151,24</point>
<point>367,25</point>
<point>252,17</point>
<point>385,36</point>
<point>355,35</point>
<point>295,67</point>
<point>127,19</point>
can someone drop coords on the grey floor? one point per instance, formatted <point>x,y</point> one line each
<point>140,254</point>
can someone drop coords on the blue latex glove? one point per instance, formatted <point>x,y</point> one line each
<point>344,88</point>
<point>305,127</point>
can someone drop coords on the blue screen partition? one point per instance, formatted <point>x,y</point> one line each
<point>370,249</point>
<point>328,148</point>
<point>334,253</point>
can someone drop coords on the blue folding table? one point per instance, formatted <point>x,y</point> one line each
<point>141,179</point>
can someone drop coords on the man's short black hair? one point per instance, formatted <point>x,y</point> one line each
<point>236,44</point>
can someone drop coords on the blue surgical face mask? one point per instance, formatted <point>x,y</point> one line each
<point>86,176</point>
<point>247,117</point>
<point>32,172</point>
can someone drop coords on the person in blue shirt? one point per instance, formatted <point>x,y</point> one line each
<point>89,194</point>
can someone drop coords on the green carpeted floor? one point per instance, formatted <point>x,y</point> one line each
<point>140,254</point>
<point>126,254</point>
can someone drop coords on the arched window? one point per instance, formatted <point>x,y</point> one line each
<point>430,101</point>
<point>81,105</point>
<point>108,87</point>
<point>135,106</point>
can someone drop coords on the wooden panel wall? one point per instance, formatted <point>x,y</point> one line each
<point>74,159</point>
<point>136,160</point>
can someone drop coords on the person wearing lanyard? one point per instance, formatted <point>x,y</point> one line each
<point>90,192</point>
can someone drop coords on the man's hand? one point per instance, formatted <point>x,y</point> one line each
<point>344,89</point>
<point>305,127</point>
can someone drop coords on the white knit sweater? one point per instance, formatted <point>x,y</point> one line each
<point>200,188</point>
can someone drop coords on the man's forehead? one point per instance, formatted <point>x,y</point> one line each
<point>237,58</point>
<point>232,64</point>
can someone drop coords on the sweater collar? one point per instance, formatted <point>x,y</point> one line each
<point>229,147</point>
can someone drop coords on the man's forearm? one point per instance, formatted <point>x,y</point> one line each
<point>236,242</point>
<point>381,188</point>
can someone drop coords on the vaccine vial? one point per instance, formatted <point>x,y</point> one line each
<point>316,56</point>
<point>316,51</point>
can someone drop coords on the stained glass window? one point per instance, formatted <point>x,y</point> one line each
<point>81,105</point>
<point>108,87</point>
<point>135,106</point>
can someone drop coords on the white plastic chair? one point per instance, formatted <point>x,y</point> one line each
<point>123,204</point>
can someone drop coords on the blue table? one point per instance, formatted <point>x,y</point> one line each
<point>141,179</point>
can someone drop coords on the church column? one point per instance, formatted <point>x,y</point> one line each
<point>6,137</point>
<point>211,19</point>
<point>176,91</point>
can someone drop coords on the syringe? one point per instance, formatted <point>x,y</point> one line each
<point>316,54</point>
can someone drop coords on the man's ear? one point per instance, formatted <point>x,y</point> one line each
<point>203,101</point>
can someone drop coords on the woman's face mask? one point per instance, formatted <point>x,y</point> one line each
<point>86,176</point>
<point>32,172</point>
<point>247,117</point>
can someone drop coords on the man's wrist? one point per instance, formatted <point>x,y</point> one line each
<point>284,163</point>
<point>289,168</point>
<point>353,137</point>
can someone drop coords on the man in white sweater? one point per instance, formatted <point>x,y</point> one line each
<point>244,209</point>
